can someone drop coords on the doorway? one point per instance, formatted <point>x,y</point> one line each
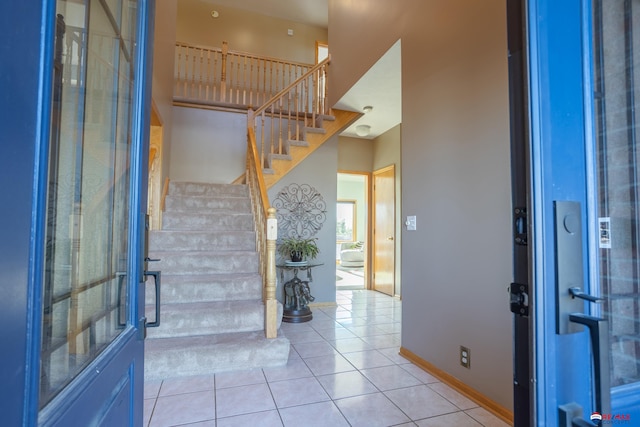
<point>384,230</point>
<point>352,230</point>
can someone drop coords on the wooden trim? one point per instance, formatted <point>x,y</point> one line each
<point>354,221</point>
<point>156,118</point>
<point>320,44</point>
<point>322,304</point>
<point>241,53</point>
<point>241,179</point>
<point>288,88</point>
<point>495,408</point>
<point>369,225</point>
<point>211,105</point>
<point>254,153</point>
<point>396,218</point>
<point>165,190</point>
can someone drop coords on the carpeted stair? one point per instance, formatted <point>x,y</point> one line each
<point>212,314</point>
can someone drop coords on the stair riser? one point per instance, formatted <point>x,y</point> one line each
<point>208,263</point>
<point>199,189</point>
<point>200,241</point>
<point>211,222</point>
<point>232,318</point>
<point>208,360</point>
<point>207,204</point>
<point>176,290</point>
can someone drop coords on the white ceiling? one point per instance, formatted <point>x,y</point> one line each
<point>380,87</point>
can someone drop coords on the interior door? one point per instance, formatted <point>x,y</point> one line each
<point>384,247</point>
<point>584,211</point>
<point>84,363</point>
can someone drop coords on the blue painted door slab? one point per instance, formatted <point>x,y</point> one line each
<point>582,121</point>
<point>76,80</point>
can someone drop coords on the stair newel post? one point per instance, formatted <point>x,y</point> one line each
<point>270,303</point>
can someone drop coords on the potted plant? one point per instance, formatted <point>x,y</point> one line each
<point>298,250</point>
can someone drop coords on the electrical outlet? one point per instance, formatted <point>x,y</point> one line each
<point>465,357</point>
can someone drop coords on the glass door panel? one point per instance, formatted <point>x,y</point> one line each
<point>617,93</point>
<point>88,208</point>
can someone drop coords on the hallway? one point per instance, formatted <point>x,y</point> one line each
<point>343,370</point>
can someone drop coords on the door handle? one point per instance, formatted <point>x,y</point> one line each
<point>156,281</point>
<point>576,292</point>
<point>390,238</point>
<point>599,334</point>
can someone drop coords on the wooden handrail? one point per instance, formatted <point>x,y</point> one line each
<point>287,116</point>
<point>286,90</point>
<point>253,151</point>
<point>242,53</point>
<point>215,76</point>
<point>266,234</point>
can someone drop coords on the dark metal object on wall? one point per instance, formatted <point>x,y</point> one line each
<point>301,211</point>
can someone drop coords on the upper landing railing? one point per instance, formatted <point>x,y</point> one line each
<point>224,77</point>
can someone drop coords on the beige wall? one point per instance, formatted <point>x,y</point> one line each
<point>455,173</point>
<point>319,171</point>
<point>247,32</point>
<point>210,146</point>
<point>163,54</point>
<point>386,152</point>
<point>355,154</point>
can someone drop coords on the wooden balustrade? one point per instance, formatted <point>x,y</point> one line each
<point>286,116</point>
<point>217,76</point>
<point>266,235</point>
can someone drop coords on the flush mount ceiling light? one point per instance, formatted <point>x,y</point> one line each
<point>367,109</point>
<point>214,14</point>
<point>363,130</point>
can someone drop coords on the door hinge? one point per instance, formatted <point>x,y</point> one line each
<point>519,299</point>
<point>520,226</point>
<point>142,328</point>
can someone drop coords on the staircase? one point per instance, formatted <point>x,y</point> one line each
<point>212,313</point>
<point>296,149</point>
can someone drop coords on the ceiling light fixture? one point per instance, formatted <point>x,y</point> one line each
<point>363,130</point>
<point>214,14</point>
<point>367,109</point>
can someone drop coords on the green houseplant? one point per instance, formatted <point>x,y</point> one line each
<point>298,250</point>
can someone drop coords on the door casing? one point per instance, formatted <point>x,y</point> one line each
<point>384,228</point>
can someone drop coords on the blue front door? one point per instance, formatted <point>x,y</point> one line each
<point>76,85</point>
<point>583,72</point>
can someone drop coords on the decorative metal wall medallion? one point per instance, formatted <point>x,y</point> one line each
<point>301,211</point>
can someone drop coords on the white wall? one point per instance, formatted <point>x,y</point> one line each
<point>208,146</point>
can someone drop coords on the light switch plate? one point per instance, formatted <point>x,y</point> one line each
<point>410,223</point>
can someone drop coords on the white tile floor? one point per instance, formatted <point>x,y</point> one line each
<point>343,370</point>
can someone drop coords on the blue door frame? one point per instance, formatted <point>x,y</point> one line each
<point>110,390</point>
<point>558,173</point>
<point>562,162</point>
